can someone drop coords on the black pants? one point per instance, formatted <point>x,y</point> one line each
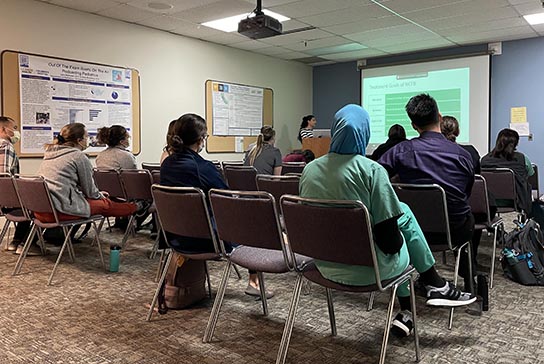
<point>461,232</point>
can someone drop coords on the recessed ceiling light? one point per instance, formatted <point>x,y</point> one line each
<point>159,6</point>
<point>230,24</point>
<point>535,19</point>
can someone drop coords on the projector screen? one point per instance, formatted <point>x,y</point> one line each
<point>459,86</point>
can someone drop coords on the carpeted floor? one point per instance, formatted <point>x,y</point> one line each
<point>93,316</point>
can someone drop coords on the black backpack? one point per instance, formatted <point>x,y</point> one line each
<point>522,256</point>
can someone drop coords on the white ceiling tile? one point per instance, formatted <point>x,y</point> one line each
<point>214,11</point>
<point>369,24</point>
<point>533,7</point>
<point>346,56</point>
<point>292,24</point>
<point>127,13</point>
<point>389,36</point>
<point>356,13</point>
<point>295,37</point>
<point>304,8</point>
<point>304,46</point>
<point>463,8</point>
<point>272,51</point>
<point>269,3</point>
<point>224,38</point>
<point>495,35</point>
<point>250,45</point>
<point>177,5</point>
<point>416,46</point>
<point>539,28</point>
<point>468,20</point>
<point>291,55</point>
<point>516,2</point>
<point>86,5</point>
<point>350,47</point>
<point>485,27</point>
<point>163,22</point>
<point>403,6</point>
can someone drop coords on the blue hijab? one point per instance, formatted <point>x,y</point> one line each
<point>350,130</point>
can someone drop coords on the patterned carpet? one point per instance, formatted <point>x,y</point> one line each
<point>93,316</point>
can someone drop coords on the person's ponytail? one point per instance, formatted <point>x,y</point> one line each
<point>256,150</point>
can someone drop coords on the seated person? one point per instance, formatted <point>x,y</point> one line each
<point>166,151</point>
<point>116,155</point>
<point>299,155</point>
<point>69,176</point>
<point>431,158</point>
<point>346,174</point>
<point>449,126</point>
<point>184,167</point>
<point>504,155</point>
<point>263,155</point>
<point>396,135</point>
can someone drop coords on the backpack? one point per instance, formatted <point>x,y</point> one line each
<point>522,256</point>
<point>184,284</point>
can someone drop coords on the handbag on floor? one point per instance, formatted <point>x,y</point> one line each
<point>185,283</point>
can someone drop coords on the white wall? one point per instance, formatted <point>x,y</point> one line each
<point>173,69</point>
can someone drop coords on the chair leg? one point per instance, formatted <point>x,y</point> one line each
<point>330,305</point>
<point>262,290</point>
<point>22,256</point>
<point>155,248</point>
<point>41,241</point>
<point>3,234</point>
<point>470,270</point>
<point>493,257</point>
<point>97,240</point>
<point>414,314</point>
<point>371,301</point>
<point>289,322</point>
<point>214,315</point>
<point>128,231</point>
<point>444,258</point>
<point>388,323</point>
<point>159,285</point>
<point>208,279</point>
<point>70,247</point>
<point>67,244</point>
<point>161,263</point>
<point>455,278</point>
<point>237,271</point>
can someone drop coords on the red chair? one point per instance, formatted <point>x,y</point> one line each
<point>10,206</point>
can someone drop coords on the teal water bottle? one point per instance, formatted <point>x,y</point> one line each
<point>115,251</point>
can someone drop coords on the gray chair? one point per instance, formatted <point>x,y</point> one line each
<point>261,249</point>
<point>240,178</point>
<point>338,232</point>
<point>10,206</point>
<point>479,205</point>
<point>292,167</point>
<point>428,203</point>
<point>183,211</point>
<point>36,198</point>
<point>501,182</point>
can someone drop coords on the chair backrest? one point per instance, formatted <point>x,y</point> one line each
<point>8,192</point>
<point>109,180</point>
<point>241,178</point>
<point>137,184</point>
<point>292,167</point>
<point>151,166</point>
<point>217,165</point>
<point>183,211</point>
<point>278,185</point>
<point>501,182</point>
<point>34,195</point>
<point>478,200</point>
<point>533,181</point>
<point>231,163</point>
<point>247,218</point>
<point>330,230</point>
<point>428,203</point>
<point>156,176</point>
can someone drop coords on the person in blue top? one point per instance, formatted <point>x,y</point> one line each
<point>184,167</point>
<point>346,174</point>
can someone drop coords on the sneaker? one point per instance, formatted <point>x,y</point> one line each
<point>483,291</point>
<point>141,208</point>
<point>32,251</point>
<point>448,296</point>
<point>13,245</point>
<point>255,292</point>
<point>402,324</point>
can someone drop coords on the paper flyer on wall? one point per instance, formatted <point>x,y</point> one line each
<point>237,109</point>
<point>55,92</point>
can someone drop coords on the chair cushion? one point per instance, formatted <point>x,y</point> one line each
<point>311,273</point>
<point>260,260</point>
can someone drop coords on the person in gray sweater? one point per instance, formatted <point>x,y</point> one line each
<point>69,176</point>
<point>116,156</point>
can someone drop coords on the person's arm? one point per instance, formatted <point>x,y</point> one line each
<point>6,160</point>
<point>84,171</point>
<point>387,236</point>
<point>387,160</point>
<point>528,166</point>
<point>277,162</point>
<point>133,164</point>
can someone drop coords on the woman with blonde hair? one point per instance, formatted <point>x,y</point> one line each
<point>263,155</point>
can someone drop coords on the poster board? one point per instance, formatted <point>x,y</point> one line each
<point>43,93</point>
<point>236,140</point>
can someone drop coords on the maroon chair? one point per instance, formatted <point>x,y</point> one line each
<point>292,167</point>
<point>109,180</point>
<point>479,205</point>
<point>183,211</point>
<point>278,185</point>
<point>35,197</point>
<point>10,206</point>
<point>261,249</point>
<point>501,182</point>
<point>337,232</point>
<point>151,167</point>
<point>156,176</point>
<point>241,178</point>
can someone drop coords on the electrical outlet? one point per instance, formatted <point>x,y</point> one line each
<point>530,137</point>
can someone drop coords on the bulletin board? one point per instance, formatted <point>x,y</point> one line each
<point>43,93</point>
<point>234,142</point>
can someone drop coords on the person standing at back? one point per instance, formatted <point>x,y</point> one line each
<point>9,163</point>
<point>306,127</point>
<point>116,156</point>
<point>431,158</point>
<point>263,155</point>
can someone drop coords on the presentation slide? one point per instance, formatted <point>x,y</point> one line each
<point>460,87</point>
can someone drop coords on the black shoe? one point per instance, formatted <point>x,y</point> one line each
<point>402,324</point>
<point>13,245</point>
<point>483,291</point>
<point>448,296</point>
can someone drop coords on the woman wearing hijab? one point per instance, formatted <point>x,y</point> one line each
<point>345,174</point>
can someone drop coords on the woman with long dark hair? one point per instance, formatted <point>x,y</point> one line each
<point>306,127</point>
<point>116,155</point>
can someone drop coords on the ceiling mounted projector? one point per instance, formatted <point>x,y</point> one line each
<point>259,25</point>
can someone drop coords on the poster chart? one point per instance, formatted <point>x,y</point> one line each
<point>237,110</point>
<point>55,92</point>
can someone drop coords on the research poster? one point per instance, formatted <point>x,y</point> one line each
<point>56,92</point>
<point>237,110</point>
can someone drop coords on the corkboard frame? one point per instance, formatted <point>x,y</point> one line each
<point>226,144</point>
<point>11,101</point>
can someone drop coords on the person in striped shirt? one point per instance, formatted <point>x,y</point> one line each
<point>307,127</point>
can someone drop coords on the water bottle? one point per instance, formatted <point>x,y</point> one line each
<point>115,251</point>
